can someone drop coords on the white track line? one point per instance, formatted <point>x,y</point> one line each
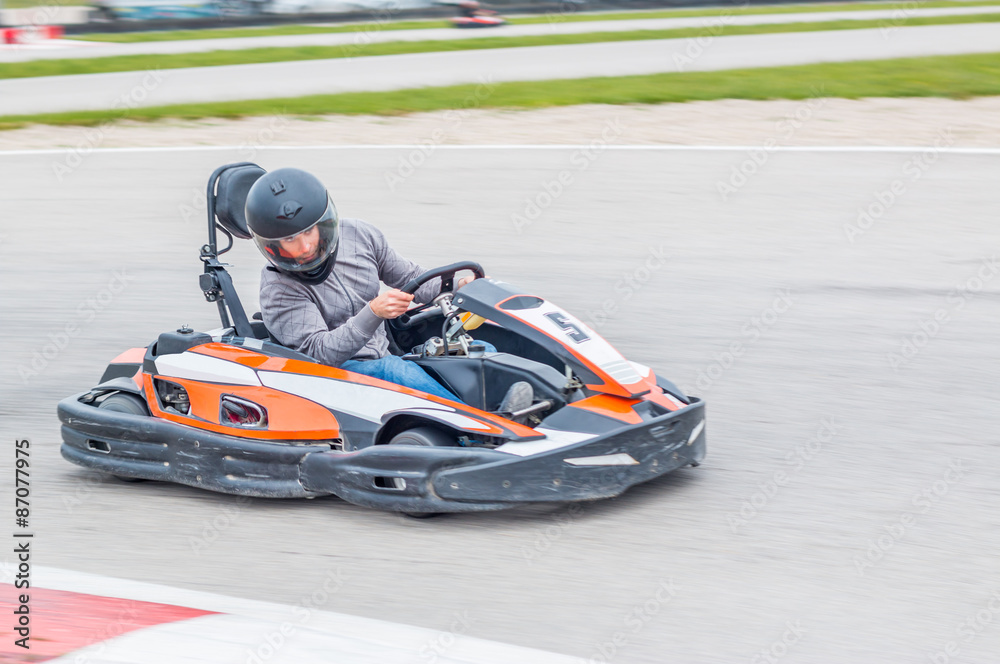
<point>663,148</point>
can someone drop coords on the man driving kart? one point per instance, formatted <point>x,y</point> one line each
<point>320,294</point>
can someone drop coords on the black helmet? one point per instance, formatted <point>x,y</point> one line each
<point>283,208</point>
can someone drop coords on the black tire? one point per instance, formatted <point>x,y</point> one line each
<point>121,402</point>
<point>129,480</point>
<point>424,437</point>
<point>421,515</point>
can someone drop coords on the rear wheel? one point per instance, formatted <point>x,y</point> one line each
<point>121,402</point>
<point>423,437</point>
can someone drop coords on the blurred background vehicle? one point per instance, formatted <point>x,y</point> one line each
<point>144,10</point>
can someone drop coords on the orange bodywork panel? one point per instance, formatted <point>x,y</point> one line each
<point>299,423</point>
<point>624,409</point>
<point>289,417</point>
<point>661,398</point>
<point>262,362</point>
<point>610,406</point>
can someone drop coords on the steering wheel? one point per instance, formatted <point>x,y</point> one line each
<point>429,310</point>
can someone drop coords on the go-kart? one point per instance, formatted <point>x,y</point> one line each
<point>474,15</point>
<point>233,410</point>
<point>478,21</point>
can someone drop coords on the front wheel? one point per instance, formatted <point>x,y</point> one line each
<point>121,402</point>
<point>424,437</point>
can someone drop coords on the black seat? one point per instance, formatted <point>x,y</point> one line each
<point>231,197</point>
<point>260,330</point>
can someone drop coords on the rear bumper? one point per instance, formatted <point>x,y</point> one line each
<point>148,448</point>
<point>388,477</point>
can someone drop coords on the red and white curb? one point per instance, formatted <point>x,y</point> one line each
<point>39,37</point>
<point>81,618</point>
<point>30,33</point>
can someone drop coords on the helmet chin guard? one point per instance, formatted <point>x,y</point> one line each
<point>319,274</point>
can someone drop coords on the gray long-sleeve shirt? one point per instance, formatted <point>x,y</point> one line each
<point>328,322</point>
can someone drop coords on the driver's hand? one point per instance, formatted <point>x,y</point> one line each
<point>391,303</point>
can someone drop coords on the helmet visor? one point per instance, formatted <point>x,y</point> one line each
<point>307,250</point>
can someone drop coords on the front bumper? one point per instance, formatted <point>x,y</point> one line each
<point>388,477</point>
<point>468,479</point>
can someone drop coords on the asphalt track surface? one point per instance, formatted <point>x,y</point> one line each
<point>356,40</point>
<point>126,90</point>
<point>825,524</point>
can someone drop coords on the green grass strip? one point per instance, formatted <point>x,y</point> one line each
<point>959,76</point>
<point>36,68</point>
<point>555,17</point>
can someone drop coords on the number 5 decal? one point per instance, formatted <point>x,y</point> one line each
<point>571,329</point>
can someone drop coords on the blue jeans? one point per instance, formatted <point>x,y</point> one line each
<point>395,369</point>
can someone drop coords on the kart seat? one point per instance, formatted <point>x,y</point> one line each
<point>260,330</point>
<point>231,197</point>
